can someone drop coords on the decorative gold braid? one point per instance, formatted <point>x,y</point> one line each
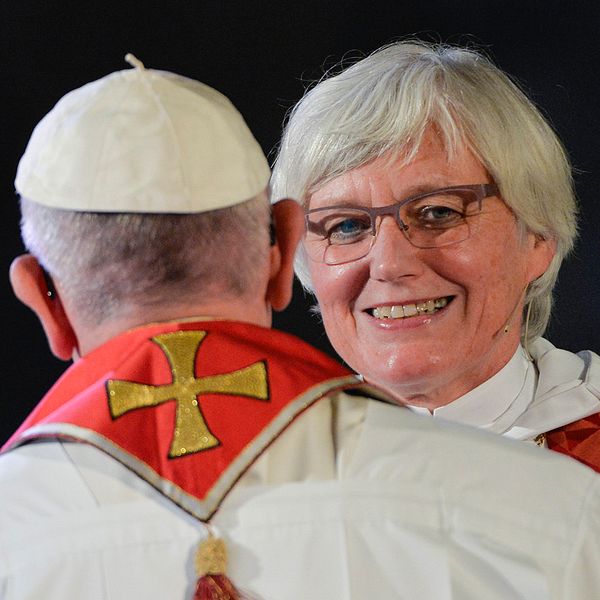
<point>211,557</point>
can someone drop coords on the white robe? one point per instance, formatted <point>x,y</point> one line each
<point>357,500</point>
<point>530,397</point>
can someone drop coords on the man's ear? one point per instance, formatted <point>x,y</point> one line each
<point>288,219</point>
<point>30,287</point>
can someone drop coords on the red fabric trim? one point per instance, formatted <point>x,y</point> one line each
<point>579,440</point>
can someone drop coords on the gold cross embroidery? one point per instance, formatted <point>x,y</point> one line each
<point>191,432</point>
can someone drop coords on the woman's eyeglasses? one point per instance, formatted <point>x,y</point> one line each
<point>344,233</point>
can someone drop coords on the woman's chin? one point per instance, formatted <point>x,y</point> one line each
<point>408,376</point>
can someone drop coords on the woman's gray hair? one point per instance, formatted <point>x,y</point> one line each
<point>108,262</point>
<point>386,101</point>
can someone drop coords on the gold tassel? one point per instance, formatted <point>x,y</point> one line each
<point>211,566</point>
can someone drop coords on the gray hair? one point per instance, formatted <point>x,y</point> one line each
<point>108,262</point>
<point>386,102</point>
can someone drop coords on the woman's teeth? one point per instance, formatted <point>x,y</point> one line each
<point>401,311</point>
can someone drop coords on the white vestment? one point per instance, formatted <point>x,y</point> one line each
<point>529,397</point>
<point>357,500</point>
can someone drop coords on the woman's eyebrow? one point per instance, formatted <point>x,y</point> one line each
<point>345,196</point>
<point>348,197</point>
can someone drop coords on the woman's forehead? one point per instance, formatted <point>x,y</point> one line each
<point>334,159</point>
<point>402,173</point>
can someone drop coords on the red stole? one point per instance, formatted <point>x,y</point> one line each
<point>187,406</point>
<point>579,440</point>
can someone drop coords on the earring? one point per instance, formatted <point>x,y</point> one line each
<point>50,289</point>
<point>508,323</point>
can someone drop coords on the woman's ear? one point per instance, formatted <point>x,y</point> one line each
<point>541,253</point>
<point>288,223</point>
<point>31,286</point>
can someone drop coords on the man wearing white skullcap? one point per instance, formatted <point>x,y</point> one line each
<point>185,423</point>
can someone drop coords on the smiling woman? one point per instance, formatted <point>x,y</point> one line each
<point>427,358</point>
<point>439,208</point>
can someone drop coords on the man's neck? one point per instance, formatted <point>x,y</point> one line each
<point>90,338</point>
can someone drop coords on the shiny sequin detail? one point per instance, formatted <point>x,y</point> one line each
<point>191,433</point>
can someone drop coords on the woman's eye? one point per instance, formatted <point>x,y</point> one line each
<point>347,229</point>
<point>436,210</point>
<point>439,213</point>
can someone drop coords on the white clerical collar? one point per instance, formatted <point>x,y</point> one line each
<point>496,403</point>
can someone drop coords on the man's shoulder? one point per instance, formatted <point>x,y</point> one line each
<point>53,479</point>
<point>32,467</point>
<point>460,456</point>
<point>74,521</point>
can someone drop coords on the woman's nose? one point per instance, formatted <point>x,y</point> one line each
<point>392,256</point>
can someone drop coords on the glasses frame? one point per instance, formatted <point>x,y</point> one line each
<point>480,191</point>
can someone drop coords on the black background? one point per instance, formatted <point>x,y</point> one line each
<point>261,55</point>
